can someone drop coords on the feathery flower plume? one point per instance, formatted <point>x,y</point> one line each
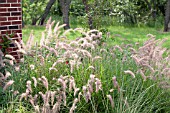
<point>88,96</point>
<point>166,71</point>
<point>52,24</point>
<point>90,67</point>
<point>71,84</point>
<point>48,23</point>
<point>64,97</point>
<point>9,56</point>
<point>35,81</point>
<point>78,29</point>
<point>63,83</point>
<point>43,96</point>
<point>115,83</point>
<point>7,75</point>
<point>98,85</point>
<point>45,81</point>
<point>92,77</point>
<point>135,59</point>
<point>67,31</point>
<point>119,48</point>
<point>73,106</point>
<point>24,95</point>
<point>126,103</point>
<point>53,97</point>
<point>142,74</point>
<point>130,72</point>
<point>29,86</point>
<point>52,68</point>
<point>17,67</point>
<point>18,44</point>
<point>79,96</point>
<point>72,64</point>
<point>58,27</point>
<point>76,91</point>
<point>103,50</point>
<point>90,86</point>
<point>30,41</point>
<point>49,35</point>
<point>42,41</point>
<point>152,70</point>
<point>111,90</point>
<point>92,31</point>
<point>111,100</point>
<point>9,61</point>
<point>96,58</point>
<point>9,83</point>
<point>32,67</point>
<point>56,106</point>
<point>22,51</point>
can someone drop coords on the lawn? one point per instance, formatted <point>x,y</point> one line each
<point>117,34</point>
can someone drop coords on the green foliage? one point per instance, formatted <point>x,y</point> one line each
<point>6,42</point>
<point>32,10</point>
<point>77,8</point>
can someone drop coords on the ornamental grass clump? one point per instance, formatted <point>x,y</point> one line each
<point>153,58</point>
<point>85,75</point>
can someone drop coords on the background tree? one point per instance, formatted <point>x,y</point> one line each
<point>46,12</point>
<point>65,6</point>
<point>167,17</point>
<point>33,10</point>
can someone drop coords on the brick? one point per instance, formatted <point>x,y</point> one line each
<point>6,32</point>
<point>12,9</point>
<point>3,28</point>
<point>12,45</point>
<point>16,22</point>
<point>3,9</point>
<point>11,1</point>
<point>3,19</point>
<point>19,9</point>
<point>4,5</point>
<point>4,14</point>
<point>13,27</point>
<point>16,14</point>
<point>14,49</point>
<point>14,53</point>
<point>12,18</point>
<point>20,26</point>
<point>11,23</point>
<point>2,1</point>
<point>15,5</point>
<point>5,23</point>
<point>16,31</point>
<point>9,49</point>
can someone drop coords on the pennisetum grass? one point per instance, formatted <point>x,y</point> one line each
<point>86,75</point>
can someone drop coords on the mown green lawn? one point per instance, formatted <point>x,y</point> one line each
<point>117,34</point>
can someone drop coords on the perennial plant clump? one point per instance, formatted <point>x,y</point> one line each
<point>86,75</point>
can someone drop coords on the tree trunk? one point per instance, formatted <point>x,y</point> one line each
<point>46,12</point>
<point>90,19</point>
<point>167,17</point>
<point>65,7</point>
<point>34,21</point>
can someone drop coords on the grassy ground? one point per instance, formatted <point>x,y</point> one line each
<point>117,34</point>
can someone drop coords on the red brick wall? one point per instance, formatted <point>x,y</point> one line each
<point>10,22</point>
